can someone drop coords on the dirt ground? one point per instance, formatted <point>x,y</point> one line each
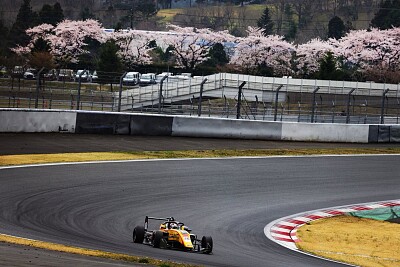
<point>37,143</point>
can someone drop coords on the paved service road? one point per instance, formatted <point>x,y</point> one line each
<point>98,205</point>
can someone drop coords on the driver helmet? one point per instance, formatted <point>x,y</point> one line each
<point>173,226</point>
<point>162,226</point>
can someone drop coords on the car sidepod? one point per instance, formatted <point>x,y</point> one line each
<point>182,237</point>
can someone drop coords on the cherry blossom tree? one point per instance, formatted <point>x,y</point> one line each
<point>67,40</point>
<point>310,54</point>
<point>191,46</point>
<point>258,50</point>
<point>134,46</point>
<point>71,37</point>
<point>372,48</point>
<point>43,31</point>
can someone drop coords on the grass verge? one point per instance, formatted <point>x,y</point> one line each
<point>89,252</point>
<point>7,160</point>
<point>363,242</point>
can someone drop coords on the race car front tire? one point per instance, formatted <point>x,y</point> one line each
<point>207,244</point>
<point>158,236</point>
<point>138,234</point>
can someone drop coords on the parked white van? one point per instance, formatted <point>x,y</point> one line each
<point>148,78</point>
<point>131,78</point>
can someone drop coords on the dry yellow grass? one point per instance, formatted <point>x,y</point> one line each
<point>64,157</point>
<point>6,160</point>
<point>167,15</point>
<point>363,242</point>
<point>88,252</point>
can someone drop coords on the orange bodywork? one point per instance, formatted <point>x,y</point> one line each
<point>178,235</point>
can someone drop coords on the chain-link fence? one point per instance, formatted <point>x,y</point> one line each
<point>221,95</point>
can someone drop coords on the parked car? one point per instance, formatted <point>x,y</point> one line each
<point>29,74</point>
<point>162,75</point>
<point>84,74</point>
<point>51,75</point>
<point>66,75</point>
<point>147,79</point>
<point>3,72</point>
<point>94,77</point>
<point>18,72</point>
<point>131,78</point>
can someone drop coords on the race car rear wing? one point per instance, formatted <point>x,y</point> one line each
<point>146,220</point>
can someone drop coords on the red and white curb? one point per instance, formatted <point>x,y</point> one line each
<point>283,231</point>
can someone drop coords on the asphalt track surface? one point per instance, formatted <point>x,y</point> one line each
<point>98,205</point>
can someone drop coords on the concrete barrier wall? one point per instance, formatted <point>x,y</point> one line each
<point>151,125</point>
<point>226,128</point>
<point>384,134</point>
<point>395,134</point>
<point>102,123</point>
<point>24,120</point>
<point>319,132</point>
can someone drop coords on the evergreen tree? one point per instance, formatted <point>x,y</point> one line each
<point>3,39</point>
<point>58,13</point>
<point>86,14</point>
<point>41,46</point>
<point>109,67</point>
<point>51,14</point>
<point>147,9</point>
<point>217,56</point>
<point>265,23</point>
<point>388,15</point>
<point>328,68</point>
<point>336,28</point>
<point>291,24</point>
<point>46,14</point>
<point>26,19</point>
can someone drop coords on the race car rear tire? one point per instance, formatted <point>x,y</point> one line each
<point>138,234</point>
<point>207,244</point>
<point>158,235</point>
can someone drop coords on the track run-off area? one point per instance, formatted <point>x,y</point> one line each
<point>97,205</point>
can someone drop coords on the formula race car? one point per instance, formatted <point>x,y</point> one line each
<point>171,234</point>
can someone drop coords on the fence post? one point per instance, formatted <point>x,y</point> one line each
<point>72,101</point>
<point>51,99</point>
<point>78,98</point>
<point>239,100</point>
<point>160,93</point>
<point>314,104</point>
<point>38,87</point>
<point>30,98</point>
<point>299,109</point>
<point>201,96</point>
<point>120,91</point>
<point>276,101</point>
<point>256,107</point>
<point>348,105</point>
<point>383,105</point>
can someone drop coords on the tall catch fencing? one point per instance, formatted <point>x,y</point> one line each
<point>220,95</point>
<point>67,94</point>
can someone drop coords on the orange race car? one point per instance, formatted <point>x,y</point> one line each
<point>171,234</point>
